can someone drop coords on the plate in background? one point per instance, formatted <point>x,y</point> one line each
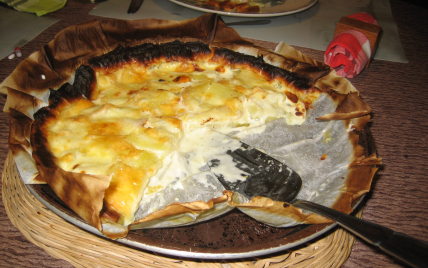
<point>272,8</point>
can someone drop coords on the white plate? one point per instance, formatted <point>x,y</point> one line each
<point>271,8</point>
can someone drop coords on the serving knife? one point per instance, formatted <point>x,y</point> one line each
<point>263,175</point>
<point>134,6</point>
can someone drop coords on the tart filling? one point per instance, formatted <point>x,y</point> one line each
<point>130,113</point>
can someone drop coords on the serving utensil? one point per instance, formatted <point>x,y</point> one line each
<point>268,177</point>
<point>134,6</point>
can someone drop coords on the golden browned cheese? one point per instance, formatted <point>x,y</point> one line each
<point>138,112</point>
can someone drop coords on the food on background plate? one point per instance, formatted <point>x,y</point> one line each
<point>240,6</point>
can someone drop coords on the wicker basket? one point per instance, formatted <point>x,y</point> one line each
<point>65,241</point>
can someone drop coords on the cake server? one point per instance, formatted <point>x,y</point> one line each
<point>265,176</point>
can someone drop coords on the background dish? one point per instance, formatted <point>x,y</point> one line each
<point>272,8</point>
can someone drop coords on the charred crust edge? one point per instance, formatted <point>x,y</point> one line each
<point>176,50</point>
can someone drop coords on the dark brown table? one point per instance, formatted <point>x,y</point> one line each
<point>397,94</point>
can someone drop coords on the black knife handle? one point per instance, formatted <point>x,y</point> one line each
<point>134,6</point>
<point>411,251</point>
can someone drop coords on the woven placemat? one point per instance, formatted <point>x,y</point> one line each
<point>65,241</point>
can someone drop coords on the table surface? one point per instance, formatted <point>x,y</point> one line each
<point>397,94</point>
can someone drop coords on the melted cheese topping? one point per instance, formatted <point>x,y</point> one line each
<point>137,116</point>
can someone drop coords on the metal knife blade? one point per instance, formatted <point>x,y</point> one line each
<point>243,169</point>
<point>134,6</point>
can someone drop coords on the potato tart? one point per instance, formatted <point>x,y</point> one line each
<point>109,132</point>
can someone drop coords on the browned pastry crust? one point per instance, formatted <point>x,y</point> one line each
<point>178,51</point>
<point>83,193</point>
